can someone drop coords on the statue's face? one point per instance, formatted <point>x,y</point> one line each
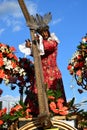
<point>45,35</point>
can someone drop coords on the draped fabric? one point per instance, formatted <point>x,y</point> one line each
<point>51,72</point>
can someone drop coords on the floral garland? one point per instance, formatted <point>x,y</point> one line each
<point>78,64</point>
<point>9,65</point>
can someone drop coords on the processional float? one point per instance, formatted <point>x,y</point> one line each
<point>43,120</point>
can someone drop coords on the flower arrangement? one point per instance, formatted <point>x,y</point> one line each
<point>24,82</point>
<point>28,67</point>
<point>56,107</point>
<point>21,110</point>
<point>78,64</point>
<point>18,110</point>
<point>9,65</point>
<point>56,103</point>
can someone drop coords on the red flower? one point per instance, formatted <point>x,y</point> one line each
<point>69,67</point>
<point>1,122</point>
<point>63,111</point>
<point>81,64</point>
<point>16,108</point>
<point>1,62</point>
<point>51,97</point>
<point>10,55</point>
<point>3,111</point>
<point>53,107</point>
<point>79,73</point>
<point>1,56</point>
<point>12,49</point>
<point>28,110</point>
<point>79,57</point>
<point>1,44</point>
<point>60,102</point>
<point>13,64</point>
<point>76,65</point>
<point>2,74</point>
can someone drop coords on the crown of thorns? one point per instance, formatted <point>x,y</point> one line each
<point>39,23</point>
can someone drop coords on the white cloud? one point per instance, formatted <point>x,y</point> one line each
<point>2,30</point>
<point>56,21</point>
<point>32,7</point>
<point>16,28</point>
<point>11,14</point>
<point>10,8</point>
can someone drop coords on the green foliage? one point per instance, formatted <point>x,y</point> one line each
<point>54,93</point>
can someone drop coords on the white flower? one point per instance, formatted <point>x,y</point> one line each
<point>75,55</point>
<point>24,73</point>
<point>8,65</point>
<point>6,81</point>
<point>16,69</point>
<point>2,49</point>
<point>5,60</point>
<point>21,72</point>
<point>83,40</point>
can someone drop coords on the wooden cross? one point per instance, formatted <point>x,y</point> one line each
<point>42,99</point>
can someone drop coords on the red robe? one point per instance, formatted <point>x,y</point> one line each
<point>51,71</point>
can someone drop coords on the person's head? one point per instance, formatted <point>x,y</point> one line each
<point>44,32</point>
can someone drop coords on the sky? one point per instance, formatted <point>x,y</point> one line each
<point>69,19</point>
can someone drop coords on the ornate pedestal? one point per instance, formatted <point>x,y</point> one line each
<point>59,122</point>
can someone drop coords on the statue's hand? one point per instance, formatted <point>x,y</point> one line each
<point>28,43</point>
